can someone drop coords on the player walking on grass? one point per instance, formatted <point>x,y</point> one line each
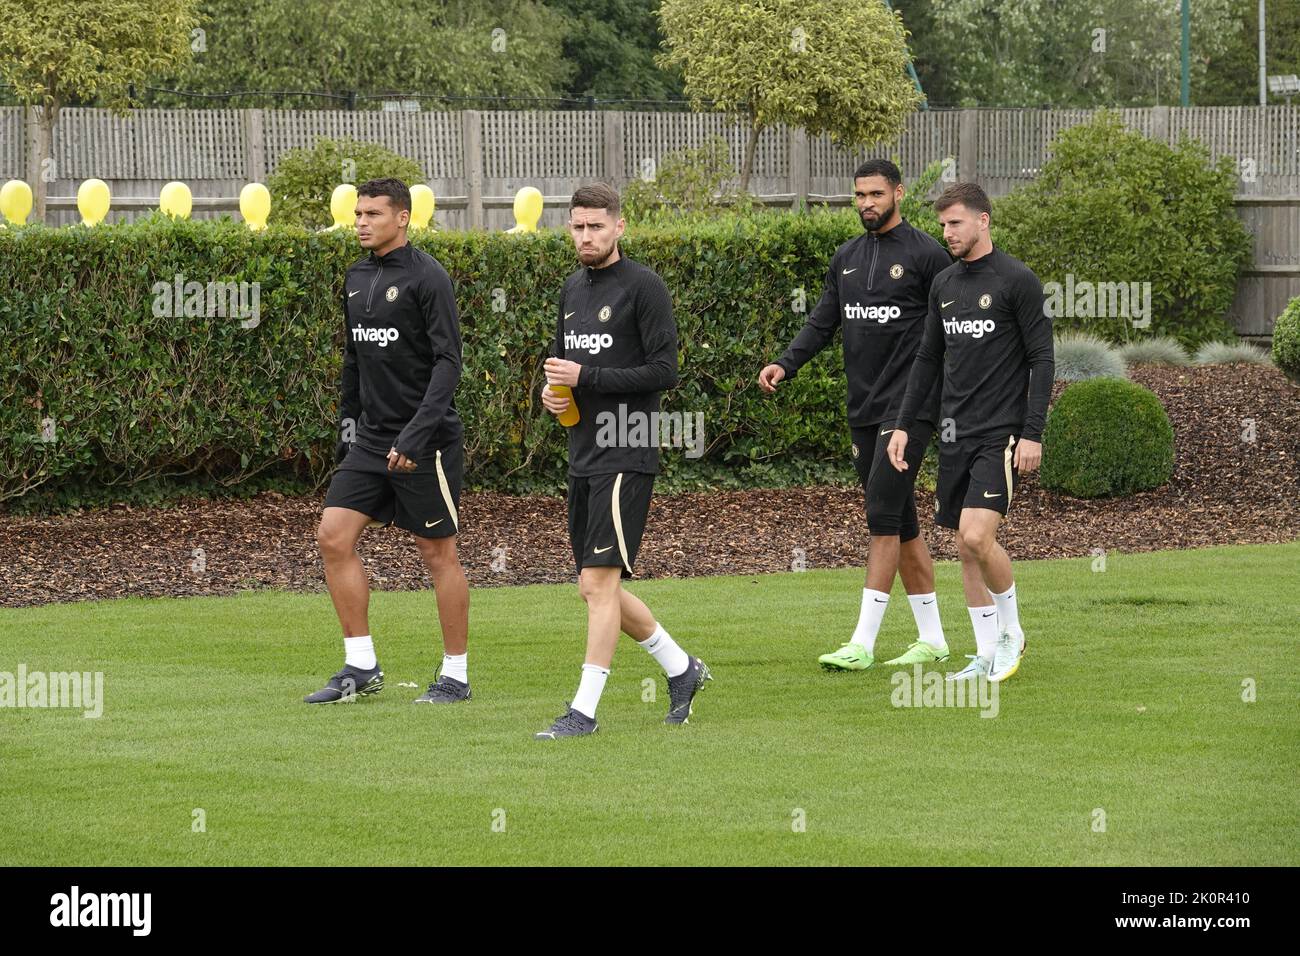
<point>401,365</point>
<point>876,293</point>
<point>616,349</point>
<point>989,334</point>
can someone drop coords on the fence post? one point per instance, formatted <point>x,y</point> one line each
<point>797,153</point>
<point>472,163</point>
<point>31,138</point>
<point>1160,124</point>
<point>968,142</point>
<point>254,146</point>
<point>615,162</point>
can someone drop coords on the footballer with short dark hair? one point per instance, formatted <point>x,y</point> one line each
<point>615,351</point>
<point>400,447</point>
<point>875,295</point>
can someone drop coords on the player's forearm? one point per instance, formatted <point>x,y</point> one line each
<point>654,376</point>
<point>811,339</point>
<point>433,408</point>
<point>1036,329</point>
<point>925,370</point>
<point>1041,375</point>
<point>349,391</point>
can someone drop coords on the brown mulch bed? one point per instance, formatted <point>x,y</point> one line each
<point>1224,491</point>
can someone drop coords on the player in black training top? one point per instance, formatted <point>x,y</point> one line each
<point>876,292</point>
<point>989,334</point>
<point>616,349</point>
<point>400,440</point>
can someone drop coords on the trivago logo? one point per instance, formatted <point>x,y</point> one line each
<point>381,336</point>
<point>881,313</point>
<point>975,328</point>
<point>588,341</point>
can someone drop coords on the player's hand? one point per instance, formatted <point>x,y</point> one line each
<point>562,372</point>
<point>555,404</point>
<point>399,462</point>
<point>1028,455</point>
<point>770,377</point>
<point>897,446</point>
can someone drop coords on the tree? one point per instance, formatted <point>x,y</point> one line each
<point>613,44</point>
<point>491,48</point>
<point>1081,53</point>
<point>1232,77</point>
<point>60,52</point>
<point>829,66</point>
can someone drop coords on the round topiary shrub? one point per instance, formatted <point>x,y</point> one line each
<point>1286,340</point>
<point>1107,437</point>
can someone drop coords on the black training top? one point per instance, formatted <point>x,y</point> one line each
<point>875,291</point>
<point>989,333</point>
<point>401,363</point>
<point>617,323</point>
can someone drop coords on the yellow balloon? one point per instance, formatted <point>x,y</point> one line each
<point>255,205</point>
<point>422,204</point>
<point>93,201</point>
<point>16,201</point>
<point>343,206</point>
<point>528,209</point>
<point>176,200</point>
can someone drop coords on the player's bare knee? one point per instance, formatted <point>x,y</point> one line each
<point>596,587</point>
<point>334,542</point>
<point>439,554</point>
<point>976,543</point>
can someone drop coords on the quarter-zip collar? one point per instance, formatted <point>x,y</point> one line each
<point>980,264</point>
<point>402,255</point>
<point>595,275</point>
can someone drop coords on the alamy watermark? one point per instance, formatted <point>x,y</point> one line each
<point>76,690</point>
<point>638,429</point>
<point>212,300</point>
<point>921,688</point>
<point>1084,299</point>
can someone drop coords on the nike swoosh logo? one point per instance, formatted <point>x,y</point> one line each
<point>987,495</point>
<point>927,602</point>
<point>601,550</point>
<point>353,292</point>
<point>878,601</point>
<point>944,305</point>
<point>430,524</point>
<point>569,315</point>
<point>990,614</point>
<point>886,431</point>
<point>847,271</point>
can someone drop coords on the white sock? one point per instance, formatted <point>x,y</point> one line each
<point>359,652</point>
<point>456,666</point>
<point>925,608</point>
<point>873,609</point>
<point>590,688</point>
<point>666,651</point>
<point>985,622</point>
<point>1008,612</point>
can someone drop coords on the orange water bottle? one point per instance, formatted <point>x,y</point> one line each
<point>569,417</point>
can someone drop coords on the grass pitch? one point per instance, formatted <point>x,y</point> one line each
<point>1124,739</point>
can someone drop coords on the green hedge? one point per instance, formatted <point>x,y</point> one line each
<point>1105,437</point>
<point>141,402</point>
